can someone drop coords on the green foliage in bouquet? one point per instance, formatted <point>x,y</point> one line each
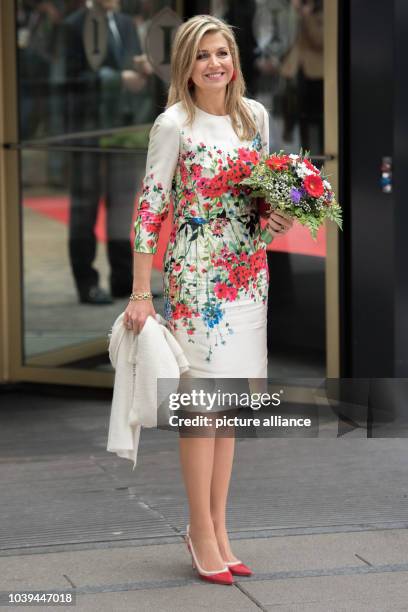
<point>293,185</point>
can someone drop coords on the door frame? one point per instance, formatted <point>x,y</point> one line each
<point>331,147</point>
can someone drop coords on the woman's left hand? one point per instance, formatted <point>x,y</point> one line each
<point>278,223</point>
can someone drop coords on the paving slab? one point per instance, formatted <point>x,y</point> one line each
<point>348,606</point>
<point>97,567</point>
<point>198,597</point>
<point>322,553</point>
<point>288,553</point>
<point>334,593</point>
<point>207,597</point>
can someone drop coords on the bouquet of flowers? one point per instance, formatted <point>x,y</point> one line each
<point>293,185</point>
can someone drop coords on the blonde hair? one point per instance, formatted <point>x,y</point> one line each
<point>183,56</point>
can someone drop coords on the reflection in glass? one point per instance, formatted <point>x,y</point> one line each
<point>53,317</point>
<point>88,88</point>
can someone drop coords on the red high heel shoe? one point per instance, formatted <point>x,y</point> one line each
<point>238,568</point>
<point>223,576</point>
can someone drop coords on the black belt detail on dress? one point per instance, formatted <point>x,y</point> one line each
<point>197,223</point>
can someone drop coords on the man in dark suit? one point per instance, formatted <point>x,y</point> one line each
<point>101,98</point>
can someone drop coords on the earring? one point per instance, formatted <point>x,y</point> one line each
<point>234,75</point>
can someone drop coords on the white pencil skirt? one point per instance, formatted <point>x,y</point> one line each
<point>243,356</point>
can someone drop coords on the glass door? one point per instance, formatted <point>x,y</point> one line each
<point>91,78</point>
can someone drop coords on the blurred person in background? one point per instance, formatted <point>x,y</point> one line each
<point>303,68</point>
<point>101,98</point>
<point>37,22</point>
<point>141,12</point>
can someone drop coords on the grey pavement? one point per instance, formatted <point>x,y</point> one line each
<point>322,522</point>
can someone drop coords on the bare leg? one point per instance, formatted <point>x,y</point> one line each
<point>223,460</point>
<point>197,457</point>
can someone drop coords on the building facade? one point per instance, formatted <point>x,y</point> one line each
<point>81,84</point>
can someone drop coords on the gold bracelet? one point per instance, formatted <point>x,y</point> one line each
<point>145,295</point>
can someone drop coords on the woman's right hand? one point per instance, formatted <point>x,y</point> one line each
<point>279,223</point>
<point>136,314</point>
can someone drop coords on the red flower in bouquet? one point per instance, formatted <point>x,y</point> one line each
<point>311,167</point>
<point>278,162</point>
<point>314,185</point>
<point>293,185</point>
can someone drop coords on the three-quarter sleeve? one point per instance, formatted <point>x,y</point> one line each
<point>154,201</point>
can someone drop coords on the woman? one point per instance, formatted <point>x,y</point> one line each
<point>215,267</point>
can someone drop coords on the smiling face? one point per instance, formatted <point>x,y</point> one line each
<point>213,66</point>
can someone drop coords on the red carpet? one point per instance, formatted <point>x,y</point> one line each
<point>298,240</point>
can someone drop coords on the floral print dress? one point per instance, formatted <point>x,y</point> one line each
<point>215,259</point>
